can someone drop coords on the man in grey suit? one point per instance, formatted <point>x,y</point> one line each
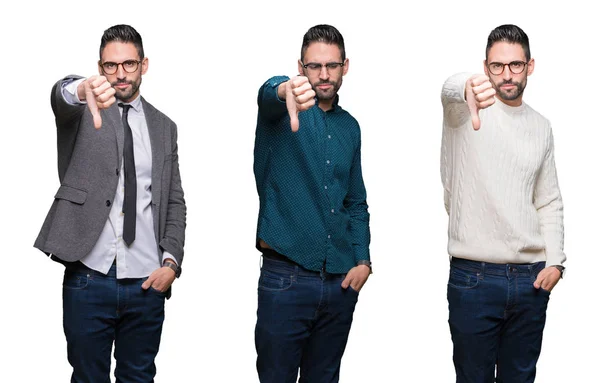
<point>118,219</point>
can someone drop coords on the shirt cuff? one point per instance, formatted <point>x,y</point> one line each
<point>69,91</point>
<point>167,255</point>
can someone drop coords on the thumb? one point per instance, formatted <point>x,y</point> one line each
<point>474,110</point>
<point>346,282</point>
<point>290,103</point>
<point>91,102</point>
<point>538,282</point>
<point>147,283</point>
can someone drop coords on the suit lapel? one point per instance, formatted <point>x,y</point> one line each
<point>156,132</point>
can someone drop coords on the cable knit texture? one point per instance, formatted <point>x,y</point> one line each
<point>500,185</point>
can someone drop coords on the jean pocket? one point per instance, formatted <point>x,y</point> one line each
<point>271,281</point>
<point>463,279</point>
<point>75,280</point>
<point>158,292</point>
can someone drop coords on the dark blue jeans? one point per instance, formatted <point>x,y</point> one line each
<point>496,320</point>
<point>303,322</point>
<point>100,309</point>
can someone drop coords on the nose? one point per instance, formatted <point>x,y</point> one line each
<point>324,74</point>
<point>120,71</point>
<point>507,74</point>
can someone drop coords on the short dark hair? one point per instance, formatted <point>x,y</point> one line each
<point>511,34</point>
<point>124,34</point>
<point>326,34</point>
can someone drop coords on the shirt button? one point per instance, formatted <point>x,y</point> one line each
<point>328,162</point>
<point>107,203</point>
<point>329,136</point>
<point>325,187</point>
<point>332,210</point>
<point>328,235</point>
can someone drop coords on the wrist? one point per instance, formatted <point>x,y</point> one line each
<point>365,262</point>
<point>171,265</point>
<point>81,90</point>
<point>561,269</point>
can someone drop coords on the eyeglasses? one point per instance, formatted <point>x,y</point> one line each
<point>129,66</point>
<point>516,67</point>
<point>316,67</point>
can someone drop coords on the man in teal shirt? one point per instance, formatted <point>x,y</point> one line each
<point>313,225</point>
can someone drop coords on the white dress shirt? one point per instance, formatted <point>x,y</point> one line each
<point>141,258</point>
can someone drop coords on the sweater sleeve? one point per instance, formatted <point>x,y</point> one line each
<point>548,202</point>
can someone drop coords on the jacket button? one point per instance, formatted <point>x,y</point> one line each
<point>117,171</point>
<point>107,203</point>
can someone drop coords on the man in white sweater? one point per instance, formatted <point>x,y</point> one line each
<point>505,231</point>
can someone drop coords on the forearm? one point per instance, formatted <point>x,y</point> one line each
<point>355,203</point>
<point>271,98</point>
<point>549,205</point>
<point>453,90</point>
<point>64,102</point>
<point>173,239</point>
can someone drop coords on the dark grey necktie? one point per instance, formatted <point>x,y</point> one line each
<point>130,199</point>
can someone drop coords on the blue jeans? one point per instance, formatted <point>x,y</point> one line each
<point>100,309</point>
<point>496,320</point>
<point>303,322</point>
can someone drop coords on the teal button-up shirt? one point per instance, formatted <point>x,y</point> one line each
<point>313,206</point>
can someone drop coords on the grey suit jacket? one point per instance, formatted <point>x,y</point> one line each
<point>89,161</point>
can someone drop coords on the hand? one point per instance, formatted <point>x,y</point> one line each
<point>98,94</point>
<point>547,278</point>
<point>356,277</point>
<point>160,279</point>
<point>299,96</point>
<point>479,95</point>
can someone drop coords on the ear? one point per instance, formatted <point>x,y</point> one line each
<point>144,65</point>
<point>530,67</point>
<point>346,66</point>
<point>485,68</point>
<point>300,69</point>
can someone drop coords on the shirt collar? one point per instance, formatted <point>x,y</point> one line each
<point>136,104</point>
<point>334,107</point>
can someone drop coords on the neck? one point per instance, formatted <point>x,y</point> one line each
<point>516,102</point>
<point>326,105</point>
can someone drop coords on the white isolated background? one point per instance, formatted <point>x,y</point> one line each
<point>207,61</point>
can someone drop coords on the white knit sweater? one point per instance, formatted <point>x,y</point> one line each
<point>500,186</point>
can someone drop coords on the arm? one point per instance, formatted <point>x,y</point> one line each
<point>271,98</point>
<point>173,239</point>
<point>62,100</point>
<point>356,204</point>
<point>548,202</point>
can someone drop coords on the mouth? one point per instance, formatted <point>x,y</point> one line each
<point>324,86</point>
<point>508,86</point>
<point>121,85</point>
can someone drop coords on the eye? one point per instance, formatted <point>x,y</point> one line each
<point>130,63</point>
<point>517,64</point>
<point>313,66</point>
<point>496,66</point>
<point>333,65</point>
<point>109,65</point>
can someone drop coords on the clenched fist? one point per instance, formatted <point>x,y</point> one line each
<point>99,94</point>
<point>479,94</point>
<point>299,96</point>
